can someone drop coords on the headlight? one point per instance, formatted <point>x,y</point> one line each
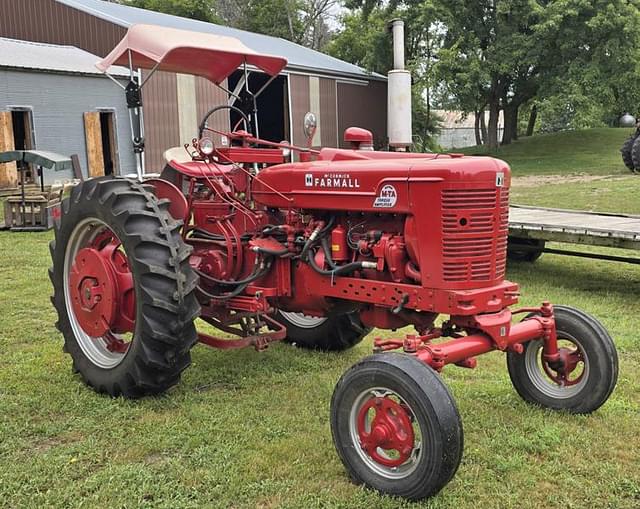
<point>206,146</point>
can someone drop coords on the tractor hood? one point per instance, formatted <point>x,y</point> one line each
<point>373,181</point>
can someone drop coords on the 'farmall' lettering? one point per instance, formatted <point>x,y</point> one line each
<point>332,180</point>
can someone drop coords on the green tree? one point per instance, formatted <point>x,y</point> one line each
<point>195,9</point>
<point>365,41</point>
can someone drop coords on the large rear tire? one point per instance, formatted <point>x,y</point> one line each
<point>396,427</point>
<point>635,154</point>
<point>626,152</point>
<point>132,336</point>
<point>591,357</point>
<point>331,333</point>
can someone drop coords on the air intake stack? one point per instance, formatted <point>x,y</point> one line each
<point>398,93</point>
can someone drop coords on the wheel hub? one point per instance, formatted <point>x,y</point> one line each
<point>101,290</point>
<point>567,364</point>
<point>389,430</point>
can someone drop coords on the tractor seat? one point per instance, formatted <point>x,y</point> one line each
<point>178,154</point>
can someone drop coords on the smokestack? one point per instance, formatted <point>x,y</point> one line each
<point>398,93</point>
<point>397,29</point>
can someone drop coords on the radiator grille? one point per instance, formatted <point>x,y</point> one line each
<point>475,225</point>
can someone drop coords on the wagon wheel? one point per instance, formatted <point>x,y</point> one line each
<point>396,426</point>
<point>588,369</point>
<point>524,250</point>
<point>123,288</point>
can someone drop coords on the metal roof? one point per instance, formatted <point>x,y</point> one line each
<point>299,57</point>
<point>50,57</point>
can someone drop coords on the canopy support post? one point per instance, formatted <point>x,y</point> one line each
<point>136,120</point>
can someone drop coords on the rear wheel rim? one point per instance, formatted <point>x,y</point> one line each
<point>303,321</point>
<point>547,380</point>
<point>390,449</point>
<point>95,261</point>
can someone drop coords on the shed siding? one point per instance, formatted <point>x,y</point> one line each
<point>364,106</point>
<point>207,97</point>
<point>300,104</point>
<point>162,131</point>
<point>58,102</point>
<point>328,112</point>
<point>55,23</point>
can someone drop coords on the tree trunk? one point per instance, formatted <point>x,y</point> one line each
<point>476,126</point>
<point>510,124</point>
<point>492,131</point>
<point>483,126</point>
<point>532,120</point>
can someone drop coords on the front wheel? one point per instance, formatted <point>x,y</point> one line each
<point>396,427</point>
<point>588,371</point>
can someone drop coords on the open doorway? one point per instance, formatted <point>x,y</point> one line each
<point>101,140</point>
<point>24,139</point>
<point>109,148</point>
<point>273,105</point>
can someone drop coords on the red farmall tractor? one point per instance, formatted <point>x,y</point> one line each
<point>316,252</point>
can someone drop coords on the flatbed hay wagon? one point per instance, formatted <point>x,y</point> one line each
<point>315,252</point>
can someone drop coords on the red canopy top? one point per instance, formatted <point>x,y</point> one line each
<point>214,57</point>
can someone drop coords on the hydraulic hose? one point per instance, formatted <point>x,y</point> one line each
<point>318,233</point>
<point>339,270</point>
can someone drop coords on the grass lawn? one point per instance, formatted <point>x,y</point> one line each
<point>592,151</point>
<point>252,430</point>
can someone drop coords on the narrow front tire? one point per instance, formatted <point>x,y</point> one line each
<point>396,427</point>
<point>590,363</point>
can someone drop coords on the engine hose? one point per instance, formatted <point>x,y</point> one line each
<point>315,235</point>
<point>237,291</point>
<point>200,233</point>
<point>256,274</point>
<point>339,270</point>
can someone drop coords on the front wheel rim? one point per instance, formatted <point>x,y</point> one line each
<point>390,446</point>
<point>96,273</point>
<point>547,380</point>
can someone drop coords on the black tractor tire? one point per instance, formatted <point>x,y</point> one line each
<point>432,410</point>
<point>635,154</point>
<point>524,250</point>
<point>333,333</point>
<point>626,151</point>
<point>600,366</point>
<point>164,286</point>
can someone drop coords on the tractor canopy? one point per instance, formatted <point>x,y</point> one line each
<point>211,56</point>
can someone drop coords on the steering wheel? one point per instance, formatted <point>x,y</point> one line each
<point>203,124</point>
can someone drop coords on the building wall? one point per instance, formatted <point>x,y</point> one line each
<point>339,104</point>
<point>51,22</point>
<point>58,102</point>
<point>363,106</point>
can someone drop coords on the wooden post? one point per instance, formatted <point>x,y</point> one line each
<point>8,171</point>
<point>93,136</point>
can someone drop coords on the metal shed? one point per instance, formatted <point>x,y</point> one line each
<point>341,94</point>
<point>53,98</point>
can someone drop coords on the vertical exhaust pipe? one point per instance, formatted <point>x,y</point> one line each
<point>398,93</point>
